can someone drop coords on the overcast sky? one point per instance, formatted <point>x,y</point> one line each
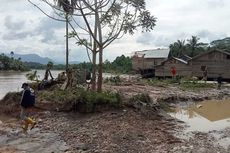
<point>24,29</point>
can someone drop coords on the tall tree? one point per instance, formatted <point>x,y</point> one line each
<point>105,21</point>
<point>178,48</point>
<point>194,45</point>
<point>67,7</point>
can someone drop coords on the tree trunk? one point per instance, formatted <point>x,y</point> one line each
<point>100,68</point>
<point>94,70</point>
<point>94,58</point>
<point>67,44</point>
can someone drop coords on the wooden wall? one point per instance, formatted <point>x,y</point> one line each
<point>182,69</point>
<point>216,63</point>
<point>145,63</point>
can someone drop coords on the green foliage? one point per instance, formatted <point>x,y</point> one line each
<point>196,86</point>
<point>223,44</point>
<point>192,48</point>
<point>121,64</point>
<point>7,63</point>
<point>182,83</point>
<point>92,97</point>
<point>81,98</point>
<point>58,96</point>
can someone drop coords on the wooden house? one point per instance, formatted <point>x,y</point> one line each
<point>148,59</point>
<point>181,66</point>
<point>216,62</point>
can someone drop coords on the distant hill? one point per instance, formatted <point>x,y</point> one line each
<point>222,43</point>
<point>31,58</point>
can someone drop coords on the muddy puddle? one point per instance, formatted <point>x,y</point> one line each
<point>204,116</point>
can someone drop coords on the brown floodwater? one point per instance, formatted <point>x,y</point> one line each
<point>12,80</point>
<point>205,116</point>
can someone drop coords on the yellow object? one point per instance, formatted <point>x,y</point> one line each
<point>28,121</point>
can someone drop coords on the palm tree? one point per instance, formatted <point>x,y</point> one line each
<point>193,45</point>
<point>67,6</point>
<point>177,49</point>
<point>181,46</point>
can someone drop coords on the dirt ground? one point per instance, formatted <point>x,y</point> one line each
<point>120,131</point>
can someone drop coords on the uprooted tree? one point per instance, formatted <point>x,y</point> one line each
<point>97,23</point>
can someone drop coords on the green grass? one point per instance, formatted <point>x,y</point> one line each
<point>195,86</point>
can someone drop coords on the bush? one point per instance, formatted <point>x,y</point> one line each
<point>82,100</point>
<point>89,101</point>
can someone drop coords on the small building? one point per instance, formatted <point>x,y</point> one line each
<point>148,59</point>
<point>215,62</point>
<point>181,66</point>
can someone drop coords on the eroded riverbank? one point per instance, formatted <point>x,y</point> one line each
<point>127,129</point>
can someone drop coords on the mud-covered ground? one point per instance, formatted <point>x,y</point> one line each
<point>120,131</point>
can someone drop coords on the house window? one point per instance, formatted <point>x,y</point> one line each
<point>203,68</point>
<point>228,57</point>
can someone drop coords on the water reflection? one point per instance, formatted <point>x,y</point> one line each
<point>205,116</point>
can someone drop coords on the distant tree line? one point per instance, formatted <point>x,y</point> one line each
<point>10,63</point>
<point>121,64</point>
<point>193,46</point>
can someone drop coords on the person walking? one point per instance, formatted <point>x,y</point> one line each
<point>219,81</point>
<point>27,103</point>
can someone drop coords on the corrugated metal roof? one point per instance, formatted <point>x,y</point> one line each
<point>154,53</point>
<point>181,60</point>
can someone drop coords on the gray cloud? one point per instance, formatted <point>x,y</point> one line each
<point>26,29</point>
<point>216,3</point>
<point>47,30</point>
<point>14,35</point>
<point>11,24</point>
<point>159,40</point>
<point>210,36</point>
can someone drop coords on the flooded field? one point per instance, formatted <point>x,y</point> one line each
<point>205,116</point>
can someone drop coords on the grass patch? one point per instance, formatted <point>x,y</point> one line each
<point>195,86</point>
<point>162,82</point>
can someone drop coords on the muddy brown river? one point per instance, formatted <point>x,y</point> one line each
<point>12,81</point>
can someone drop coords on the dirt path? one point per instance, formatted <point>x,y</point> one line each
<point>14,140</point>
<point>124,131</point>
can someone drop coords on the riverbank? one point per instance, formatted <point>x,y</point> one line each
<point>131,128</point>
